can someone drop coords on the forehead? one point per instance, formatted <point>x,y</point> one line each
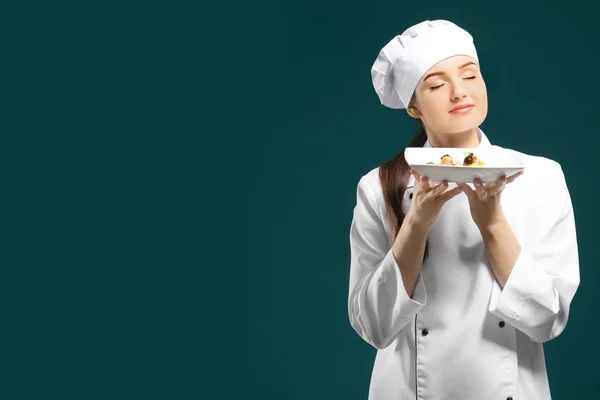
<point>450,64</point>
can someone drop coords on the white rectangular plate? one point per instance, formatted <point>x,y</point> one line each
<point>498,162</point>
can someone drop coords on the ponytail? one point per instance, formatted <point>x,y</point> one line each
<point>394,176</point>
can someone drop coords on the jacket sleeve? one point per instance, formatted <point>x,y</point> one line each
<point>378,305</point>
<point>538,293</point>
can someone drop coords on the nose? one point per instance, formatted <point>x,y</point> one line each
<point>458,91</point>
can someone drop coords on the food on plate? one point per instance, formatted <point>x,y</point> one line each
<point>447,160</point>
<point>470,160</point>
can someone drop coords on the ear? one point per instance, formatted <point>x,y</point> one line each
<point>413,111</point>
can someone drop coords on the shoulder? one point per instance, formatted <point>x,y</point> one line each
<point>371,178</point>
<point>543,183</point>
<point>538,169</point>
<point>371,182</point>
<point>370,186</point>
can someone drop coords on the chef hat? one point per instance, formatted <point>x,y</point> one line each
<point>407,57</point>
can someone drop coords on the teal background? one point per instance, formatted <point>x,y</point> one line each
<point>179,181</point>
<point>325,128</point>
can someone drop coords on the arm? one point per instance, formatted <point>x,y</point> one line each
<point>408,250</point>
<point>378,303</point>
<point>502,249</point>
<point>545,276</point>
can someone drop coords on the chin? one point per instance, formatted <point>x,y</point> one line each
<point>465,124</point>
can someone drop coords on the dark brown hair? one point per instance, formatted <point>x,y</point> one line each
<point>394,175</point>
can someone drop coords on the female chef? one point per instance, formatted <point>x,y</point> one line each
<point>457,286</point>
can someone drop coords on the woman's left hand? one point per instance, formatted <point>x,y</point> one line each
<point>484,201</point>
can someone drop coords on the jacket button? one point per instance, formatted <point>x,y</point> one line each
<point>502,323</point>
<point>424,332</point>
<point>410,196</point>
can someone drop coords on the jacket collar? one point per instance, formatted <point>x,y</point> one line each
<point>483,140</point>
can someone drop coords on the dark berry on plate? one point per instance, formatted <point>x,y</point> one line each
<point>469,159</point>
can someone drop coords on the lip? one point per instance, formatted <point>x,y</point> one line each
<point>463,108</point>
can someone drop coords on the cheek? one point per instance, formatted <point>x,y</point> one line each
<point>482,102</point>
<point>433,113</point>
<point>433,104</point>
<point>480,92</point>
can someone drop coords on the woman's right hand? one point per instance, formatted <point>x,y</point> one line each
<point>428,200</point>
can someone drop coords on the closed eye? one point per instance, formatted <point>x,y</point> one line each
<point>439,86</point>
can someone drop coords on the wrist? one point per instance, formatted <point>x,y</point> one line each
<point>492,226</point>
<point>415,225</point>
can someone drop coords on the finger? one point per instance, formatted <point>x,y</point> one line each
<point>515,176</point>
<point>480,189</point>
<point>421,181</point>
<point>415,174</point>
<point>467,190</point>
<point>438,189</point>
<point>450,194</point>
<point>425,183</point>
<point>497,186</point>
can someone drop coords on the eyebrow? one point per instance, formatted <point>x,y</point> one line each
<point>443,73</point>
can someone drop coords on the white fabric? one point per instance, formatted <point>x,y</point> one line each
<point>407,57</point>
<point>466,354</point>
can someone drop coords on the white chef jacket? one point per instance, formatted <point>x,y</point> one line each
<point>461,336</point>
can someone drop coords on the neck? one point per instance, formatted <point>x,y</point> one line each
<point>467,139</point>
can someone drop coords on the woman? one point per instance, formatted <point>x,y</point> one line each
<point>457,287</point>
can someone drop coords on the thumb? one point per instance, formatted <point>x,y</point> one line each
<point>467,189</point>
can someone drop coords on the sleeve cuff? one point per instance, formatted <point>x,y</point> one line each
<point>526,285</point>
<point>405,305</point>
